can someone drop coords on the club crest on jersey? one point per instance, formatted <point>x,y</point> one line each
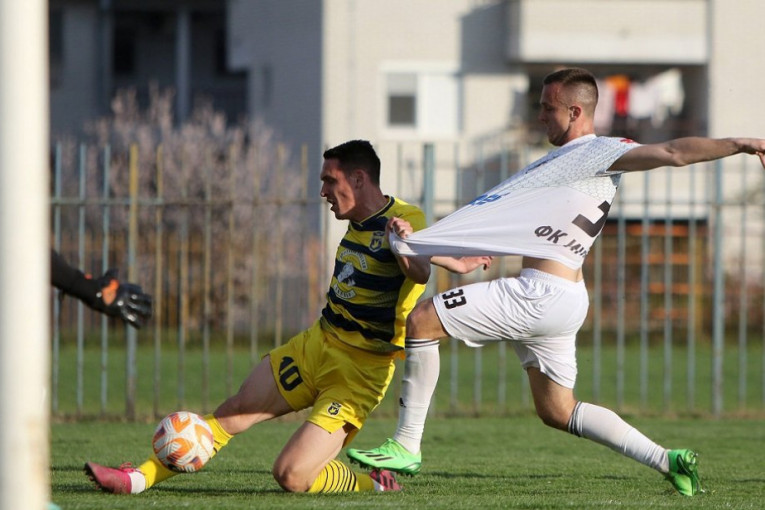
<point>345,275</point>
<point>334,408</point>
<point>377,240</point>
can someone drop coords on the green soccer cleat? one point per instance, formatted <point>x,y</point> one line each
<point>391,456</point>
<point>683,472</point>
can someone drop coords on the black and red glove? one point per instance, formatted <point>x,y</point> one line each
<point>127,301</point>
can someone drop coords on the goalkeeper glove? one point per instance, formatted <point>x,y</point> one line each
<point>127,301</point>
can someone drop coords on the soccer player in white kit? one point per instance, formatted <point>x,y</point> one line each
<point>550,213</point>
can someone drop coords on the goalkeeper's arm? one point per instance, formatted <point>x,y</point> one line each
<point>105,294</point>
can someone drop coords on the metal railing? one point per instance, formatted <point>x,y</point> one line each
<point>235,255</point>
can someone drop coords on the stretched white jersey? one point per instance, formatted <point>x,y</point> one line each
<point>553,209</point>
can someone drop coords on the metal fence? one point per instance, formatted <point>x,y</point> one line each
<point>233,247</point>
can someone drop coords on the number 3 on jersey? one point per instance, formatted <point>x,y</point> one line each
<point>454,298</point>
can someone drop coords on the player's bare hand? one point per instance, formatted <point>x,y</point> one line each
<point>400,226</point>
<point>482,261</point>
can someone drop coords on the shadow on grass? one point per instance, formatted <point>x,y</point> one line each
<point>480,476</point>
<point>214,491</point>
<point>67,468</point>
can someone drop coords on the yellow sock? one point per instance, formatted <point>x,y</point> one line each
<point>154,471</point>
<point>220,436</point>
<point>337,477</point>
<point>365,482</point>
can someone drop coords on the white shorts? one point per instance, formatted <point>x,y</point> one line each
<point>538,312</point>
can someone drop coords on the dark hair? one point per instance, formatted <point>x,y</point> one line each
<point>356,154</point>
<point>574,76</point>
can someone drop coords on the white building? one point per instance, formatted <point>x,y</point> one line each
<point>100,46</point>
<point>461,75</point>
<point>465,74</point>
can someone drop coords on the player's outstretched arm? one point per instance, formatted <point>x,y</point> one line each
<point>105,294</point>
<point>686,151</point>
<point>462,265</point>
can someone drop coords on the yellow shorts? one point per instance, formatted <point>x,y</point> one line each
<point>342,383</point>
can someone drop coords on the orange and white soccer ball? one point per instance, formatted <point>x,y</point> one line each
<point>183,442</point>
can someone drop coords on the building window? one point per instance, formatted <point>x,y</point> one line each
<point>266,85</point>
<point>421,100</point>
<point>221,67</point>
<point>56,46</point>
<point>402,99</point>
<point>124,50</point>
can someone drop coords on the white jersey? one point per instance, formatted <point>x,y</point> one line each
<point>553,209</point>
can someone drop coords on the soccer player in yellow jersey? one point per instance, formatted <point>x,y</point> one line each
<point>342,365</point>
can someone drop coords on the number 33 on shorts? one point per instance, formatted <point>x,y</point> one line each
<point>454,298</point>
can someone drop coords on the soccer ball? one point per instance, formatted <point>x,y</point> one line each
<point>183,442</point>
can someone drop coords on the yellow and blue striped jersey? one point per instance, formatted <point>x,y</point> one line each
<point>369,297</point>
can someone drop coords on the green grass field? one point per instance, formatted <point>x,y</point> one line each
<point>504,459</point>
<point>510,462</point>
<point>472,395</point>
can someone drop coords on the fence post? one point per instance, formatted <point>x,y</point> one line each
<point>183,290</point>
<point>206,268</point>
<point>81,258</point>
<point>718,300</point>
<point>668,294</point>
<point>231,168</point>
<point>691,338</point>
<point>55,362</point>
<point>105,224</point>
<point>762,332</point>
<point>158,276</point>
<point>428,183</point>
<point>131,335</point>
<point>597,321</point>
<point>255,277</point>
<point>620,307</point>
<point>743,301</point>
<point>279,242</point>
<point>645,244</point>
<point>502,347</point>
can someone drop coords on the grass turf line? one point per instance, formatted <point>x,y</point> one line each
<point>512,462</point>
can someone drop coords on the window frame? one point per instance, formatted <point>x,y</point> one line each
<point>422,71</point>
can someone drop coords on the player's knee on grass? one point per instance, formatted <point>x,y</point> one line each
<point>290,479</point>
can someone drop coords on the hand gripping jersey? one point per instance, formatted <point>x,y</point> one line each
<point>369,297</point>
<point>552,209</point>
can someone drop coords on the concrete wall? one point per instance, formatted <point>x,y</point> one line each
<point>608,31</point>
<point>75,95</point>
<point>364,40</point>
<point>736,74</point>
<point>459,41</point>
<point>330,59</point>
<point>83,78</point>
<point>280,45</point>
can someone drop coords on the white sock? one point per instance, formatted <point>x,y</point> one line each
<point>607,428</point>
<point>417,386</point>
<point>137,482</point>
